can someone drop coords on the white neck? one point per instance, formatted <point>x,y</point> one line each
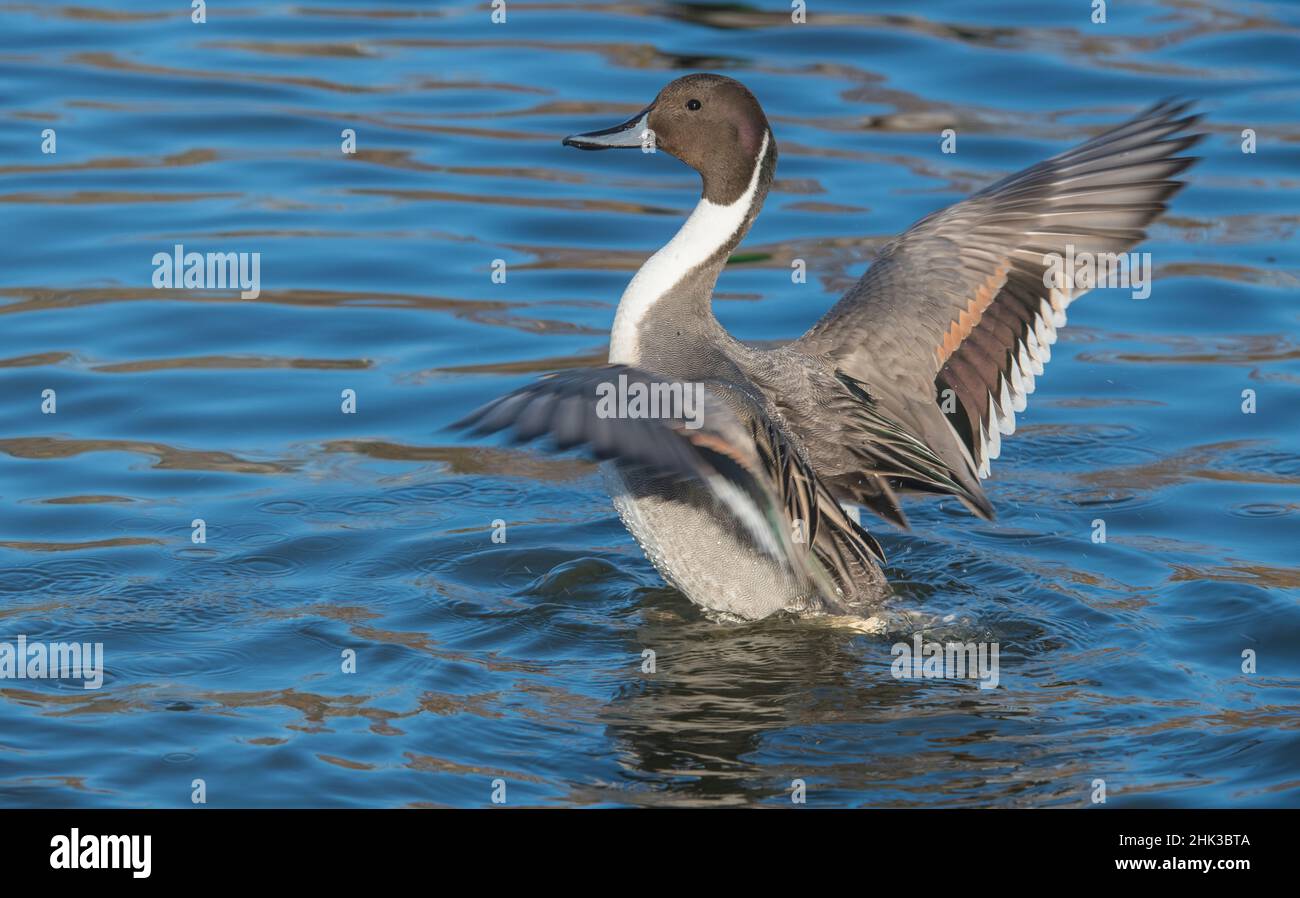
<point>708,230</point>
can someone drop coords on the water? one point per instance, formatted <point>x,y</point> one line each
<point>523,661</point>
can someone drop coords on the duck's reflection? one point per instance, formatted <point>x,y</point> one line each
<point>726,709</point>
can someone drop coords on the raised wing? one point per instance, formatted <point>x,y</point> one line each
<point>958,301</point>
<point>732,447</point>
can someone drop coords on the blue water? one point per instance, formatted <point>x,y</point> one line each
<point>522,661</point>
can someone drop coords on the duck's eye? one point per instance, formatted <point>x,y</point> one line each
<point>692,105</point>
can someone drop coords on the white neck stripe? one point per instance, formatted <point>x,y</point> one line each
<point>708,229</point>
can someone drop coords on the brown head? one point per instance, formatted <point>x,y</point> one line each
<point>710,122</point>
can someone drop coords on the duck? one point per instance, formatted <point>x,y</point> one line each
<point>751,505</point>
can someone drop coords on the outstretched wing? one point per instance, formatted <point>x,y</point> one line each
<point>732,447</point>
<point>958,302</point>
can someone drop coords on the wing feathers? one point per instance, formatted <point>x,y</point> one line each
<point>737,453</point>
<point>960,298</point>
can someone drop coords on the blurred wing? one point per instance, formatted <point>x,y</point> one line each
<point>733,448</point>
<point>958,302</point>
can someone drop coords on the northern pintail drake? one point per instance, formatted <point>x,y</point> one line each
<point>747,503</point>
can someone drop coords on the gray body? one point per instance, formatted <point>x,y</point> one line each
<point>698,550</point>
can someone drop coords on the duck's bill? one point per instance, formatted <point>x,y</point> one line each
<point>631,134</point>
